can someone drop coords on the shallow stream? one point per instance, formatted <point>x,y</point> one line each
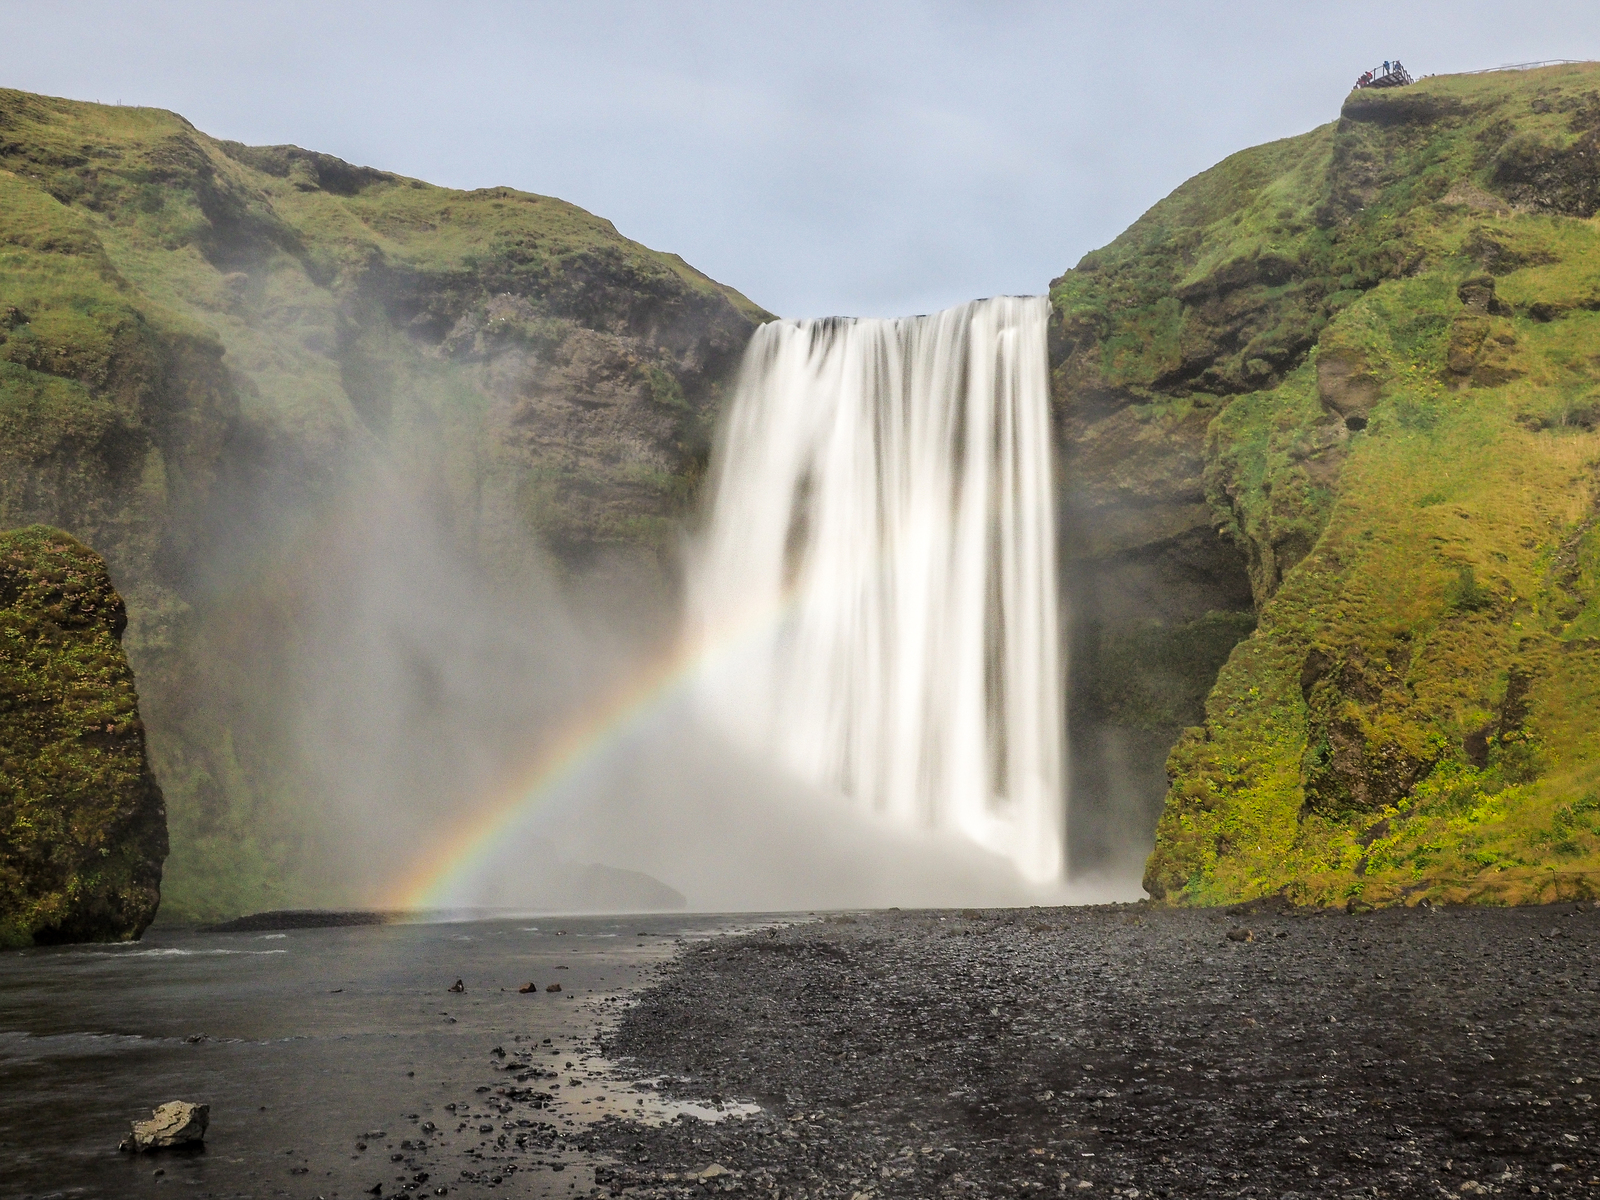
<point>333,1060</point>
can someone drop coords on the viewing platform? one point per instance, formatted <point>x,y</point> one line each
<point>1389,75</point>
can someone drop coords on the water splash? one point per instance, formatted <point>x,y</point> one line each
<point>891,480</point>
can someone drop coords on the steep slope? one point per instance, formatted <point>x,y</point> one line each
<point>82,826</point>
<point>1368,358</point>
<point>202,344</point>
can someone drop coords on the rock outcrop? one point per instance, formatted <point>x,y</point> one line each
<point>84,824</point>
<point>1353,374</point>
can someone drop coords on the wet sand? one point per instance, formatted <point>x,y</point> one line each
<point>1114,1052</point>
<point>334,1060</point>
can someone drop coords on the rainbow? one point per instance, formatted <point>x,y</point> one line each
<point>585,737</point>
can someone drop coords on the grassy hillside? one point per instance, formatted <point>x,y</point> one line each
<point>82,826</point>
<point>1381,343</point>
<point>201,343</point>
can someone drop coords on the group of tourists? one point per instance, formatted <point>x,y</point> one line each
<point>1389,68</point>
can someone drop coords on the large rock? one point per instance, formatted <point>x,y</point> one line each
<point>175,1123</point>
<point>85,826</point>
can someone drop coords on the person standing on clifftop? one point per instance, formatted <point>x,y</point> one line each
<point>1386,66</point>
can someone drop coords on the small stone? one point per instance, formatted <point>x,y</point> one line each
<point>552,987</point>
<point>528,987</point>
<point>176,1123</point>
<point>714,1171</point>
<point>458,986</point>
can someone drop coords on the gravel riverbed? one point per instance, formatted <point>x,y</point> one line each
<point>1122,1051</point>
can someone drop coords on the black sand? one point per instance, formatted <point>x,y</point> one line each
<point>1103,1052</point>
<point>1081,1052</point>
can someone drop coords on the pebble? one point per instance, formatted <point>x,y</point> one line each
<point>1036,1052</point>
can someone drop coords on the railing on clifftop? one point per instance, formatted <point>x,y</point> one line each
<point>1528,66</point>
<point>1394,75</point>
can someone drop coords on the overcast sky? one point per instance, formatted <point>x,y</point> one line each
<point>864,158</point>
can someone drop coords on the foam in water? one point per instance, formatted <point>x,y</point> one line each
<point>885,486</point>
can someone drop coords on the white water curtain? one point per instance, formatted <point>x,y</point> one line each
<point>879,570</point>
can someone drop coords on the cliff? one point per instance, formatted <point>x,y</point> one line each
<point>202,343</point>
<point>1347,383</point>
<point>84,827</point>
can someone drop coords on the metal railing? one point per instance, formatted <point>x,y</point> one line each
<point>1528,66</point>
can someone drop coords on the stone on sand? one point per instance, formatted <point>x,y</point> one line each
<point>175,1123</point>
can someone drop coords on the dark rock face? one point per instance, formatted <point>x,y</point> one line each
<point>1553,178</point>
<point>87,832</point>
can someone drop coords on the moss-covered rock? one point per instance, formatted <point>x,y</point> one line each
<point>83,828</point>
<point>1390,326</point>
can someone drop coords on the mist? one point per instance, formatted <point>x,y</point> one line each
<point>415,689</point>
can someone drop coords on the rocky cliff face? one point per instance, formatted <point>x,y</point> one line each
<point>201,343</point>
<point>84,824</point>
<point>1349,381</point>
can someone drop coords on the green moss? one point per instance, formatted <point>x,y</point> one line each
<point>82,825</point>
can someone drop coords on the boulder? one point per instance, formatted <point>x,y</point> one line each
<point>175,1123</point>
<point>86,823</point>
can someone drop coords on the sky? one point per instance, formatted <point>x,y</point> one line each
<point>868,159</point>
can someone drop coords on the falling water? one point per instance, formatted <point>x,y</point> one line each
<point>883,526</point>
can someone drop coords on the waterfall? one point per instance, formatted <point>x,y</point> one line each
<point>882,530</point>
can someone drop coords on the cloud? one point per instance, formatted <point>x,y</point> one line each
<point>831,157</point>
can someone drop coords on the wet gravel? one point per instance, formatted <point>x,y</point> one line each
<point>1120,1051</point>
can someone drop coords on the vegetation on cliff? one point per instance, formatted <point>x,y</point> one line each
<point>82,825</point>
<point>1380,340</point>
<point>202,342</point>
